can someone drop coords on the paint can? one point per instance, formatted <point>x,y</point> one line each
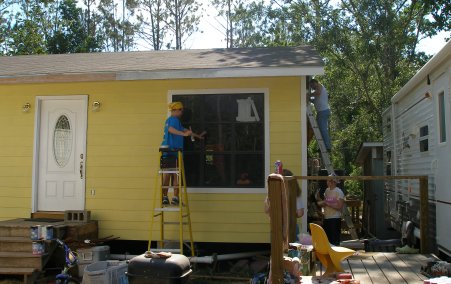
<point>278,167</point>
<point>43,233</point>
<point>35,232</point>
<point>37,248</point>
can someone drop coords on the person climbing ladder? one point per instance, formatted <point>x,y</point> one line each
<point>173,136</point>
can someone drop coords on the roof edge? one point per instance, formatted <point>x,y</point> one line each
<point>438,58</point>
<point>165,75</point>
<point>221,73</point>
<point>364,148</point>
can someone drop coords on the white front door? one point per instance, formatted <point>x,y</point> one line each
<point>61,129</point>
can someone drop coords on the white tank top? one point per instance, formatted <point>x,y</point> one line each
<point>321,102</point>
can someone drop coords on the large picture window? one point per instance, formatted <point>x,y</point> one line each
<point>232,155</point>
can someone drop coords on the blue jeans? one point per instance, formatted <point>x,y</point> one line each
<point>322,118</point>
<point>332,227</point>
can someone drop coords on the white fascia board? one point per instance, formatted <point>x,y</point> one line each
<point>221,73</point>
<point>422,74</point>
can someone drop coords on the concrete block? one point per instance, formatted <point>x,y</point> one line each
<point>82,216</point>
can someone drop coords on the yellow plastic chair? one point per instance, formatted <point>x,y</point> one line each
<point>330,256</point>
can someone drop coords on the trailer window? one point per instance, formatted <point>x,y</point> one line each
<point>388,124</point>
<point>442,117</point>
<point>424,139</point>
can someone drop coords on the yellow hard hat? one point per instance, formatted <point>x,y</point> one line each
<point>175,105</point>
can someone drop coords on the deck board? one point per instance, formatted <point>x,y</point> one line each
<point>406,271</point>
<point>380,268</point>
<point>359,271</point>
<point>415,261</point>
<point>374,271</point>
<point>388,269</point>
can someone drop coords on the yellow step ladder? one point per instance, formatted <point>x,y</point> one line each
<point>179,212</point>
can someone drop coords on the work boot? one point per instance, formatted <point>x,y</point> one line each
<point>175,200</point>
<point>165,200</point>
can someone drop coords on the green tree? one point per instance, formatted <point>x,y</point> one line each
<point>118,29</point>
<point>440,11</point>
<point>227,16</point>
<point>250,25</point>
<point>91,21</point>
<point>70,34</point>
<point>152,18</point>
<point>369,49</point>
<point>29,28</point>
<point>183,19</point>
<point>5,23</point>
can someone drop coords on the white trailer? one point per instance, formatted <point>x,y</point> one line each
<point>417,141</point>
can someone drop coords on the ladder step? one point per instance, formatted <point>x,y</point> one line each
<point>168,171</point>
<point>165,250</point>
<point>182,208</point>
<point>167,209</point>
<point>319,139</point>
<point>175,223</point>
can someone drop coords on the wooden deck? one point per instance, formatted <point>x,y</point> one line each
<point>381,268</point>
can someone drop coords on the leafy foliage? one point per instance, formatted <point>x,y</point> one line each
<point>153,27</point>
<point>70,35</point>
<point>369,49</point>
<point>183,19</point>
<point>28,29</point>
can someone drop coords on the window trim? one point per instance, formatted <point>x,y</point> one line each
<point>423,138</point>
<point>265,92</point>
<point>441,111</point>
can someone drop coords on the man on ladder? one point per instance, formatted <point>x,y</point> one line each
<point>174,133</point>
<point>172,169</point>
<point>321,103</point>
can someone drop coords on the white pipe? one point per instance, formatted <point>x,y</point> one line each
<point>201,259</point>
<point>240,255</point>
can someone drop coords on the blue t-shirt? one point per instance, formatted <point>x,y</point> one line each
<point>171,140</point>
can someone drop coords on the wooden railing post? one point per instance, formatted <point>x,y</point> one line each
<point>424,215</point>
<point>275,188</point>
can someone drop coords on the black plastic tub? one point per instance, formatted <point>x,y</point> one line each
<point>173,270</point>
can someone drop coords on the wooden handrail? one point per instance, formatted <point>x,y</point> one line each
<point>424,200</point>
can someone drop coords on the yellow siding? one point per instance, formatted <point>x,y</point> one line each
<point>122,148</point>
<point>16,152</point>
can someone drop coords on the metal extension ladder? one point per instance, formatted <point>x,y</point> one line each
<point>180,213</point>
<point>319,139</point>
<point>328,165</point>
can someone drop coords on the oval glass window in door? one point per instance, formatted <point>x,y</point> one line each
<point>62,141</point>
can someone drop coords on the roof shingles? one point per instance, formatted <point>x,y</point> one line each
<point>155,61</point>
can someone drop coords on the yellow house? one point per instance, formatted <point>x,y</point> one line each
<point>82,132</point>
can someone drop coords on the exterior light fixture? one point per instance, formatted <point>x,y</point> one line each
<point>95,106</point>
<point>26,107</point>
